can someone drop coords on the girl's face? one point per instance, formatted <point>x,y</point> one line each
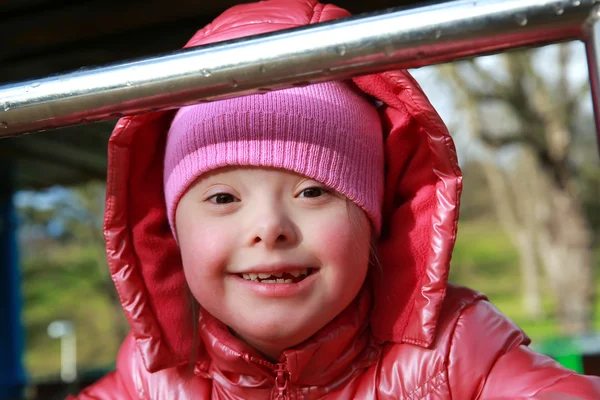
<point>272,254</point>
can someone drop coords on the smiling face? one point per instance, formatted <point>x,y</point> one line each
<point>272,254</point>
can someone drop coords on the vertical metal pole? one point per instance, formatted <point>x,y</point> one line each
<point>68,357</point>
<point>12,375</point>
<point>592,45</point>
<point>65,331</point>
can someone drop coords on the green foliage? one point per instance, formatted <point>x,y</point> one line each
<point>484,256</point>
<point>65,277</point>
<point>64,284</point>
<point>485,260</point>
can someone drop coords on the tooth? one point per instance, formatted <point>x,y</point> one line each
<point>287,281</point>
<point>269,281</point>
<point>304,271</point>
<point>246,277</point>
<point>253,277</point>
<point>263,276</point>
<point>277,274</point>
<point>296,273</point>
<point>280,280</point>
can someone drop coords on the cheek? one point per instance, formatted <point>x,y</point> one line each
<point>344,245</point>
<point>204,252</point>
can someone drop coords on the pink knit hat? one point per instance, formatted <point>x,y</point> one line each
<point>328,132</point>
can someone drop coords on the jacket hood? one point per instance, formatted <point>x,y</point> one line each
<point>420,211</point>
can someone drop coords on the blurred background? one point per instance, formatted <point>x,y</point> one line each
<point>524,130</point>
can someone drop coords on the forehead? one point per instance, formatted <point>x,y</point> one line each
<point>243,173</point>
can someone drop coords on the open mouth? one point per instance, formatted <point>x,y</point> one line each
<point>278,277</point>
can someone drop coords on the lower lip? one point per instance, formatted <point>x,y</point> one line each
<point>279,289</point>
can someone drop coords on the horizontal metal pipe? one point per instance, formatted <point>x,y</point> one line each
<point>334,50</point>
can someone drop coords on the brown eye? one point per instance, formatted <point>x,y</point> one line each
<point>222,198</point>
<point>313,192</point>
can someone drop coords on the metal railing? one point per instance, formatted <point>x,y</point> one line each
<point>333,50</point>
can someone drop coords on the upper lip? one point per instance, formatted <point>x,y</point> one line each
<point>274,268</point>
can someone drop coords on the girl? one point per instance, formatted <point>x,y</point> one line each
<point>310,232</point>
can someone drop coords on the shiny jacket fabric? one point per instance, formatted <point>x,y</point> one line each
<point>408,334</point>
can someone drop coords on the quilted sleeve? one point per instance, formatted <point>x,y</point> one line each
<point>110,387</point>
<point>489,359</point>
<point>522,373</point>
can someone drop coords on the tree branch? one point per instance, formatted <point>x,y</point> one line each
<point>564,54</point>
<point>498,89</point>
<point>496,141</point>
<point>452,72</point>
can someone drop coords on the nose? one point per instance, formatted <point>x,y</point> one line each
<point>273,228</point>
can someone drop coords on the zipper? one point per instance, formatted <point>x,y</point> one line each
<point>282,375</point>
<point>282,380</point>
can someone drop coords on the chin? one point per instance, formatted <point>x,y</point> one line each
<point>286,332</point>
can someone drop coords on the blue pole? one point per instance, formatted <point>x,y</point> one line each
<point>12,374</point>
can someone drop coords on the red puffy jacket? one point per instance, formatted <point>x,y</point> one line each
<point>408,335</point>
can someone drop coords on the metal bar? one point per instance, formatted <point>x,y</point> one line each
<point>68,357</point>
<point>592,45</point>
<point>333,50</point>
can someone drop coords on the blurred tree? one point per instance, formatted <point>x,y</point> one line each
<point>87,228</point>
<point>65,276</point>
<point>476,199</point>
<point>527,124</point>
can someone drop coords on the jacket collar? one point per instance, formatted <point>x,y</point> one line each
<point>345,340</point>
